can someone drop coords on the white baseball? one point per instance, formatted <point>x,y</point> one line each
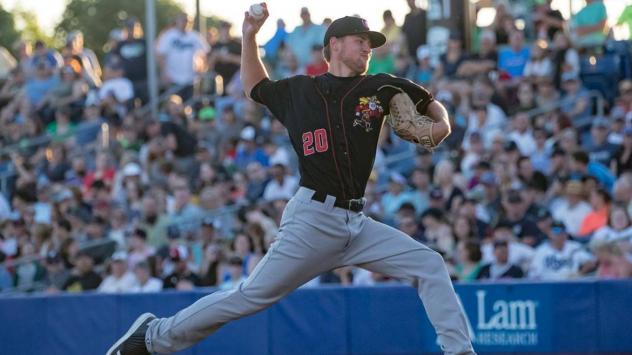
<point>256,11</point>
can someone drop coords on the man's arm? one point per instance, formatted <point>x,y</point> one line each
<point>252,70</point>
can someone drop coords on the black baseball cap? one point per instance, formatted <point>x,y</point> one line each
<point>352,25</point>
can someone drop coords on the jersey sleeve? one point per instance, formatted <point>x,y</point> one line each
<point>394,85</point>
<point>275,95</point>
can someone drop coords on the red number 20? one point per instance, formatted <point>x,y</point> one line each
<point>315,142</point>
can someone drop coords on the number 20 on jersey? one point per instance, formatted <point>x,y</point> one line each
<point>315,142</point>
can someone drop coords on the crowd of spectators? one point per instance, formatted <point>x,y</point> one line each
<point>535,182</point>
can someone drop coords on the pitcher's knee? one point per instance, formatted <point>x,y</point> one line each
<point>430,262</point>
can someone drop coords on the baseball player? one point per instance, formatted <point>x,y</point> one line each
<point>333,121</point>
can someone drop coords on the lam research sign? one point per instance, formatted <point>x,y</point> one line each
<point>516,319</point>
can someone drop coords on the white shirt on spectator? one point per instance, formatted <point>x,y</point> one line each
<point>571,216</point>
<point>538,68</point>
<point>494,122</point>
<point>180,50</point>
<point>152,285</point>
<point>519,254</point>
<point>121,88</point>
<point>525,142</point>
<point>112,284</point>
<point>276,191</point>
<point>552,264</point>
<point>606,235</point>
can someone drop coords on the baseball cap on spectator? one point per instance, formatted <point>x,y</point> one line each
<point>119,256</point>
<point>351,25</point>
<point>178,253</point>
<point>131,169</point>
<point>247,134</point>
<point>206,113</point>
<point>423,52</point>
<point>173,232</point>
<point>542,214</point>
<point>503,224</point>
<point>141,233</point>
<point>510,146</point>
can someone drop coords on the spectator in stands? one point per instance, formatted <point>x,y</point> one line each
<point>617,229</point>
<point>304,37</point>
<point>394,36</point>
<point>235,275</point>
<point>83,277</point>
<point>423,72</point>
<point>600,202</point>
<point>485,60</point>
<point>539,64</point>
<point>181,55</point>
<point>396,195</point>
<point>513,59</point>
<point>90,66</point>
<point>225,56</point>
<point>548,22</point>
<point>50,59</point>
<point>409,225</point>
<point>131,54</point>
<point>520,254</point>
<point>282,185</point>
<point>599,149</point>
<point>613,262</point>
<point>560,258</point>
<point>575,101</point>
<point>119,278</point>
<point>185,213</point>
<point>437,232</point>
<point>522,134</point>
<point>414,27</point>
<point>317,65</point>
<point>500,267</point>
<point>565,58</point>
<point>144,281</point>
<point>581,165</point>
<point>451,60</point>
<point>271,47</point>
<point>116,89</point>
<point>182,277</point>
<point>139,251</point>
<point>41,84</point>
<point>210,268</point>
<point>514,214</point>
<point>382,61</point>
<point>29,274</point>
<point>589,26</point>
<point>469,256</point>
<point>248,151</point>
<point>571,209</point>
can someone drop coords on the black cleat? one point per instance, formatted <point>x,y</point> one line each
<point>133,342</point>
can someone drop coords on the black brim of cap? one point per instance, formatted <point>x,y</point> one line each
<point>377,39</point>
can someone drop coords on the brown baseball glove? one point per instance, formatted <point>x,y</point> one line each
<point>408,124</point>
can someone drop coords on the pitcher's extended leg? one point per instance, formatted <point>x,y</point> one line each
<point>380,248</point>
<point>300,253</point>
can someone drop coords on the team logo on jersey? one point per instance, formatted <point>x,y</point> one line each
<point>367,110</point>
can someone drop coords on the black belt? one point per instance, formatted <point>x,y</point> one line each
<point>355,205</point>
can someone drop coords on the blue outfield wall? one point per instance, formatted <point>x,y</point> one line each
<point>590,317</point>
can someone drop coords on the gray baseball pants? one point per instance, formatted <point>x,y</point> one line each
<point>315,237</point>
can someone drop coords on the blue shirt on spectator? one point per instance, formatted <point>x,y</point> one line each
<point>513,62</point>
<point>36,88</point>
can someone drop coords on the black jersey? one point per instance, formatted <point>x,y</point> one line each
<point>334,124</point>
